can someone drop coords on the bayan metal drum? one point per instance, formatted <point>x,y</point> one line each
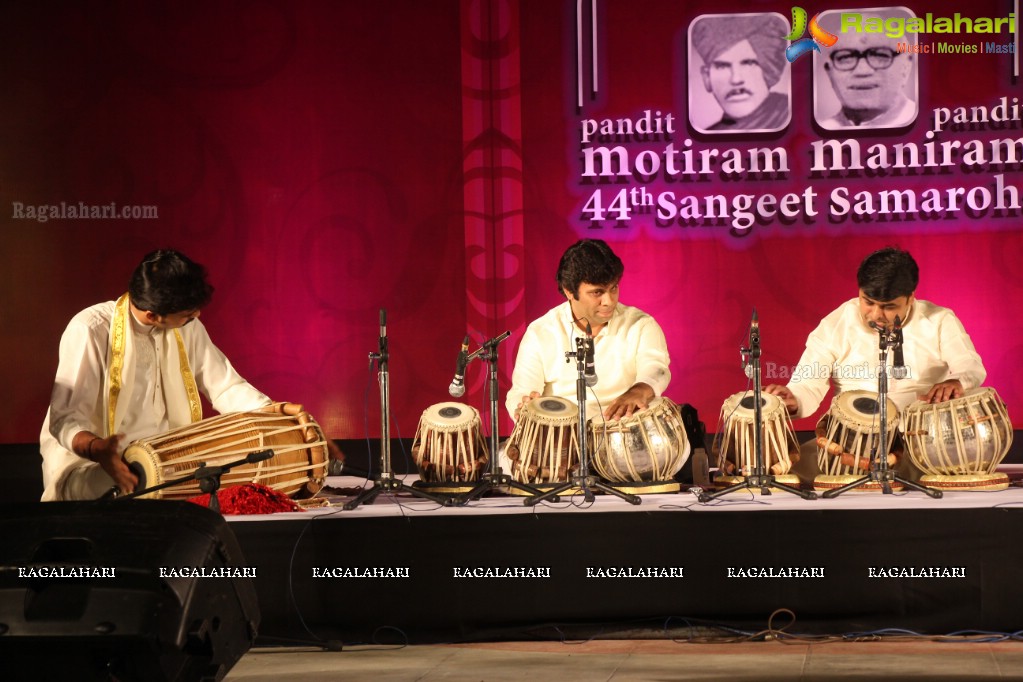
<point>299,461</point>
<point>845,437</point>
<point>449,449</point>
<point>544,446</point>
<point>647,448</point>
<point>735,444</point>
<point>958,444</point>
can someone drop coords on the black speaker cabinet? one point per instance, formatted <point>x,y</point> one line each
<point>122,590</point>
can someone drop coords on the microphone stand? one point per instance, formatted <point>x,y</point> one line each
<point>760,478</point>
<point>880,472</point>
<point>495,478</point>
<point>208,477</point>
<point>385,481</point>
<point>582,479</point>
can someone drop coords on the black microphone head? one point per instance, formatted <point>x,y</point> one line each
<point>260,456</point>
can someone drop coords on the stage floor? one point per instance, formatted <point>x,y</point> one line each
<point>730,660</point>
<point>388,504</point>
<point>411,570</point>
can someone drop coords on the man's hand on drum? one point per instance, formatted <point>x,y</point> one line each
<point>636,398</point>
<point>522,403</point>
<point>107,453</point>
<point>946,390</point>
<point>787,397</point>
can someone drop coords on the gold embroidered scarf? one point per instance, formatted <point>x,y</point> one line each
<point>120,333</point>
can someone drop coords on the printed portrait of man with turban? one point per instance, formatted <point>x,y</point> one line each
<point>742,64</point>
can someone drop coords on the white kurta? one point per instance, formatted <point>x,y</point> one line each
<point>844,351</point>
<point>151,400</point>
<point>629,349</point>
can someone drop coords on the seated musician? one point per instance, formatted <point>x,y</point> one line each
<point>844,349</point>
<point>133,368</point>
<point>630,352</point>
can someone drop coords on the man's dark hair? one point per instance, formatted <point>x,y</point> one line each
<point>167,282</point>
<point>588,260</point>
<point>888,274</point>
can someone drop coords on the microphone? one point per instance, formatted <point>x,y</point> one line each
<point>382,354</point>
<point>259,456</point>
<point>899,370</point>
<point>337,467</point>
<point>590,372</point>
<point>754,341</point>
<point>457,386</point>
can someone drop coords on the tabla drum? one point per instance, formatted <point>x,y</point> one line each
<point>735,443</point>
<point>298,465</point>
<point>845,437</point>
<point>544,445</point>
<point>448,448</point>
<point>645,449</point>
<point>958,444</point>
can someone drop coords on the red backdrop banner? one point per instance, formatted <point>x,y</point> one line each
<point>326,160</point>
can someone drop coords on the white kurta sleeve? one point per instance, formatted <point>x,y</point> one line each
<point>959,354</point>
<point>652,357</point>
<point>811,378</point>
<point>528,373</point>
<point>76,402</point>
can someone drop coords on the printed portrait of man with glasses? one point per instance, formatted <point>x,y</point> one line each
<point>871,78</point>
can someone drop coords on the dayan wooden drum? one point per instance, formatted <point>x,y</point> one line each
<point>544,445</point>
<point>735,444</point>
<point>846,435</point>
<point>958,444</point>
<point>648,448</point>
<point>448,448</point>
<point>299,461</point>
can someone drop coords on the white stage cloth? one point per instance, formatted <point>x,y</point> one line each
<point>388,504</point>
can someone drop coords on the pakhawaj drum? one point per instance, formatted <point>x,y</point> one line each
<point>299,461</point>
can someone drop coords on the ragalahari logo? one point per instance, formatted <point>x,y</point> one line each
<point>818,36</point>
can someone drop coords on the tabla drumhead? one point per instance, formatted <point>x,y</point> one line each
<point>861,408</point>
<point>450,416</point>
<point>743,405</point>
<point>553,409</point>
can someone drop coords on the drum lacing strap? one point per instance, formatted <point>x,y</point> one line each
<point>553,449</point>
<point>447,443</point>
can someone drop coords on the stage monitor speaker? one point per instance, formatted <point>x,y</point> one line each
<point>122,590</point>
